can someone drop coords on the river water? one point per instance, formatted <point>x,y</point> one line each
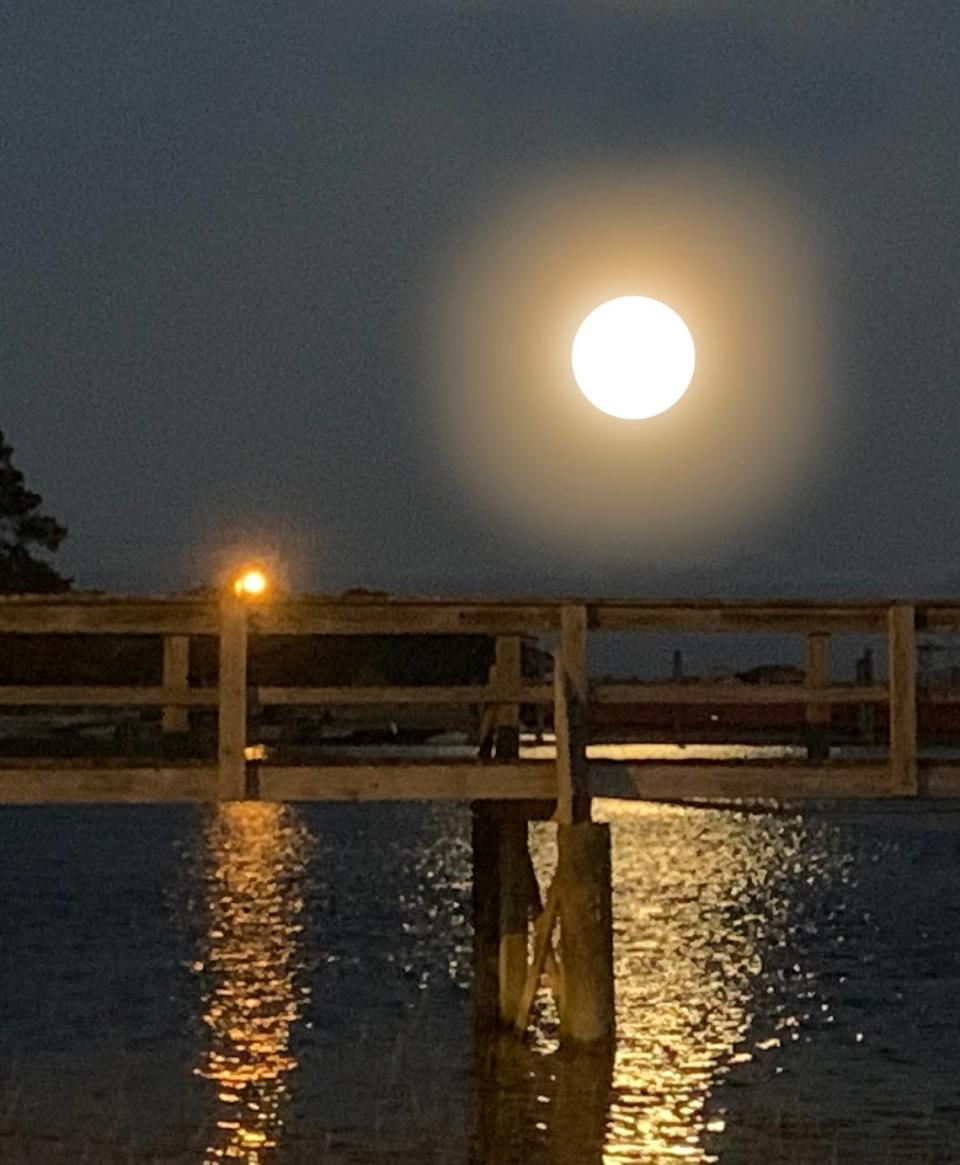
<point>263,983</point>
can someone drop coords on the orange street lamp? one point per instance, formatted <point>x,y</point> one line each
<point>251,583</point>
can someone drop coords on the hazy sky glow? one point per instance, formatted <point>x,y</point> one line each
<point>730,259</point>
<point>235,236</point>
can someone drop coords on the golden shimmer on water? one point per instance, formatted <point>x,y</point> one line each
<point>689,950</point>
<point>256,855</point>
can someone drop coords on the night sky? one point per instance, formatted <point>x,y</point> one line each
<point>227,228</point>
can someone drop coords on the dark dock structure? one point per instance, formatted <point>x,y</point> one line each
<point>516,922</point>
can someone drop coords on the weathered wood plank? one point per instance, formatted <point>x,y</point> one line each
<point>404,618</point>
<point>587,1014</point>
<point>132,785</point>
<point>420,694</point>
<point>770,781</point>
<point>735,693</point>
<point>818,674</point>
<point>485,901</point>
<point>940,779</point>
<point>508,675</point>
<point>817,714</point>
<point>542,931</point>
<point>410,781</point>
<point>570,711</point>
<point>781,619</point>
<point>940,615</point>
<point>53,780</point>
<point>100,695</point>
<point>307,615</point>
<point>83,615</point>
<point>515,909</point>
<point>176,677</point>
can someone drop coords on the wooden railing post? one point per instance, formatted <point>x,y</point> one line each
<point>233,699</point>
<point>818,676</point>
<point>903,699</point>
<point>571,695</point>
<point>176,669</point>
<point>866,713</point>
<point>508,675</point>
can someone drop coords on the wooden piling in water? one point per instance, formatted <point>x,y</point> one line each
<point>586,933</point>
<point>485,841</point>
<point>232,728</point>
<point>505,892</point>
<point>501,913</point>
<point>514,914</point>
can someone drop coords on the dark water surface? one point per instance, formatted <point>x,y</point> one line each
<point>274,984</point>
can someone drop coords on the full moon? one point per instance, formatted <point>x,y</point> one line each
<point>633,357</point>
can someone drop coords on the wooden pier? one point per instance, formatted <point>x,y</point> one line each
<point>514,921</point>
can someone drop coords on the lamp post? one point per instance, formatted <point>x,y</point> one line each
<point>249,585</point>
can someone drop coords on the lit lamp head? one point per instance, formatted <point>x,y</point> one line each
<point>251,584</point>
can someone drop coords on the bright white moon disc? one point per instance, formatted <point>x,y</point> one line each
<point>633,357</point>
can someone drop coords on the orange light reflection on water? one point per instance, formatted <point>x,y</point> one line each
<point>256,854</point>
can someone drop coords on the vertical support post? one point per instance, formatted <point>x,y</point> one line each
<point>586,933</point>
<point>866,713</point>
<point>501,911</point>
<point>176,669</point>
<point>580,1110</point>
<point>570,716</point>
<point>233,699</point>
<point>818,676</point>
<point>486,919</point>
<point>508,675</point>
<point>514,860</point>
<point>903,699</point>
<point>487,729</point>
<point>540,673</point>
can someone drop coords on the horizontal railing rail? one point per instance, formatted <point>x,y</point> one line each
<point>322,615</point>
<point>735,693</point>
<point>565,623</point>
<point>431,694</point>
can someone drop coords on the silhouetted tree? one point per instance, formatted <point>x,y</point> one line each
<point>22,527</point>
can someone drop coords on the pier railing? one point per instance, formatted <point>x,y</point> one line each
<point>504,775</point>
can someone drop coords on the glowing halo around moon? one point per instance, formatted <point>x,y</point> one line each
<point>733,262</point>
<point>633,357</point>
